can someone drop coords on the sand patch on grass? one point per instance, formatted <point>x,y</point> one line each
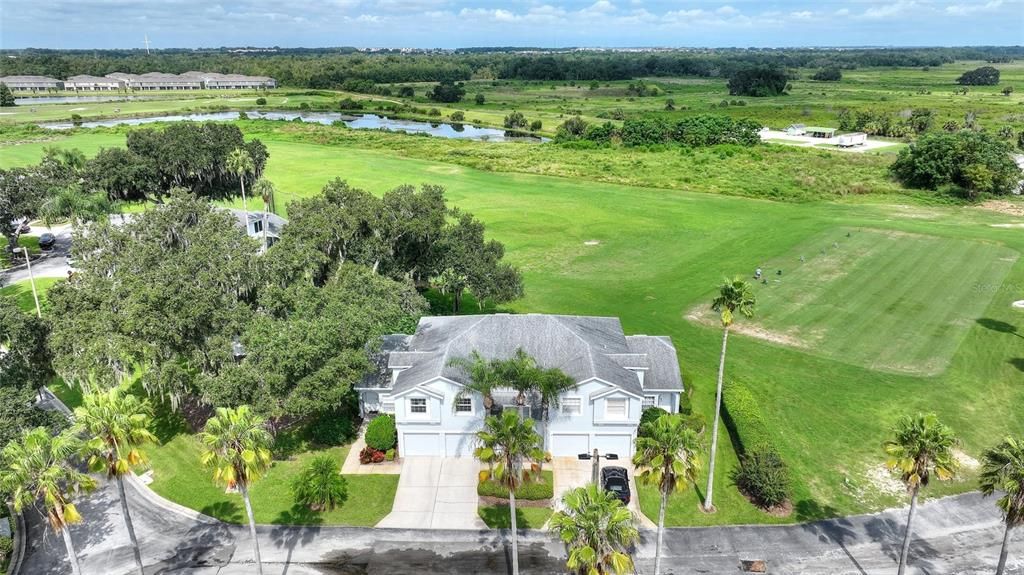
<point>592,243</point>
<point>966,461</point>
<point>1002,207</point>
<point>710,318</point>
<point>1013,225</point>
<point>884,481</point>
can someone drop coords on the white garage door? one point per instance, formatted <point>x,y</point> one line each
<point>621,445</point>
<point>459,444</point>
<point>422,444</point>
<point>569,445</point>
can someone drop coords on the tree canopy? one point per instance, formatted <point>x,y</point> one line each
<point>758,81</point>
<point>984,76</point>
<point>974,162</point>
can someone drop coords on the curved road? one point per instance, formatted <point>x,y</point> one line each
<point>955,535</point>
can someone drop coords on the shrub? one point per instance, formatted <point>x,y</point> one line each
<point>984,76</point>
<point>458,116</point>
<point>434,112</point>
<point>695,421</point>
<point>479,99</point>
<point>758,81</point>
<point>304,106</point>
<point>830,74</point>
<point>515,121</point>
<point>389,455</point>
<point>320,485</point>
<point>763,476</point>
<point>332,428</point>
<point>649,415</point>
<point>685,404</point>
<point>406,92</point>
<point>975,161</point>
<point>542,488</point>
<point>370,455</point>
<point>742,416</point>
<point>536,125</point>
<point>261,101</point>
<point>381,434</point>
<point>572,129</point>
<point>447,91</point>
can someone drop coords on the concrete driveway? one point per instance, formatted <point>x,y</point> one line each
<point>436,493</point>
<point>571,473</point>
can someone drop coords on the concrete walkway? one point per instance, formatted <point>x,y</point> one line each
<point>436,493</point>
<point>351,466</point>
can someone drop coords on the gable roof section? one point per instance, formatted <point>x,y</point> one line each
<point>582,347</point>
<point>662,361</point>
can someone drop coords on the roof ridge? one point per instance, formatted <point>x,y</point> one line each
<point>586,344</point>
<point>448,346</point>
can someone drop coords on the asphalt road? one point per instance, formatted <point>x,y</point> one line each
<point>52,263</point>
<point>956,535</point>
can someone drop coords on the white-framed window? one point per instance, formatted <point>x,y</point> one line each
<point>616,408</point>
<point>257,226</point>
<point>650,401</point>
<point>464,405</point>
<point>417,406</point>
<point>387,404</point>
<point>572,406</point>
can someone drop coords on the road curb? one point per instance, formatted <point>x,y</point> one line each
<point>20,541</point>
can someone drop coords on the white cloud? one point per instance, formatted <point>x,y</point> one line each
<point>964,9</point>
<point>843,12</point>
<point>727,10</point>
<point>887,10</point>
<point>802,15</point>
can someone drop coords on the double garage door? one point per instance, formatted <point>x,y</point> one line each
<point>572,444</point>
<point>438,444</point>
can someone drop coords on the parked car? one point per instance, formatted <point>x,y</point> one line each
<point>24,229</point>
<point>616,480</point>
<point>47,240</point>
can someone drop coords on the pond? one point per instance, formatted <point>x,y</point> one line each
<point>73,99</point>
<point>359,122</point>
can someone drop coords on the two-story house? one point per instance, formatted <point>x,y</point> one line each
<point>617,376</point>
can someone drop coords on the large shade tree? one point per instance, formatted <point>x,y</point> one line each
<point>117,427</point>
<point>509,441</point>
<point>42,467</point>
<point>920,446</point>
<point>236,445</point>
<point>667,455</point>
<point>735,296</point>
<point>598,531</point>
<point>1002,472</point>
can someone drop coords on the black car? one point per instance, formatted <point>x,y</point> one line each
<point>47,240</point>
<point>616,480</point>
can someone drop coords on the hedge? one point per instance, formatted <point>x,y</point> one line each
<point>381,433</point>
<point>762,474</point>
<point>530,491</point>
<point>742,417</point>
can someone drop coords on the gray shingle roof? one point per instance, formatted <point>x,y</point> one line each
<point>582,347</point>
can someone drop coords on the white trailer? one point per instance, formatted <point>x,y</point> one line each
<point>851,140</point>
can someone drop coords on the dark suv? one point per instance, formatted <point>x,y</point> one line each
<point>616,480</point>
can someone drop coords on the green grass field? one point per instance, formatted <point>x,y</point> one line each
<point>22,293</point>
<point>663,249</point>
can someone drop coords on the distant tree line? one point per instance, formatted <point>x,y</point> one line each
<point>331,68</point>
<point>695,131</point>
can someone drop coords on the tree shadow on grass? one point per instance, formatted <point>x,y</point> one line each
<point>498,516</point>
<point>1017,362</point>
<point>229,511</point>
<point>998,325</point>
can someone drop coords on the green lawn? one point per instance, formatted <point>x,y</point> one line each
<point>22,293</point>
<point>498,516</point>
<point>662,250</point>
<point>30,242</point>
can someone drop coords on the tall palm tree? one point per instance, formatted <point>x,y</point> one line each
<point>520,372</point>
<point>240,164</point>
<point>237,445</point>
<point>510,440</point>
<point>598,529</point>
<point>921,445</point>
<point>117,424</point>
<point>265,189</point>
<point>1003,470</point>
<point>733,296</point>
<point>667,456</point>
<point>551,384</point>
<point>483,378</point>
<point>41,466</point>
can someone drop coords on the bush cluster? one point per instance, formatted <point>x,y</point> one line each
<point>544,488</point>
<point>762,474</point>
<point>371,455</point>
<point>381,434</point>
<point>968,162</point>
<point>334,428</point>
<point>695,131</point>
<point>984,76</point>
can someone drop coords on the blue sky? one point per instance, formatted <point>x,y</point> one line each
<point>548,23</point>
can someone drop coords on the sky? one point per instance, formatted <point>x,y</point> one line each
<point>541,23</point>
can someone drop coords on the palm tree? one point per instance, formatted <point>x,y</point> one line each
<point>75,205</point>
<point>237,445</point>
<point>40,466</point>
<point>921,445</point>
<point>320,485</point>
<point>733,296</point>
<point>265,189</point>
<point>667,456</point>
<point>520,372</point>
<point>240,164</point>
<point>1003,470</point>
<point>117,424</point>
<point>483,378</point>
<point>551,384</point>
<point>598,529</point>
<point>511,440</point>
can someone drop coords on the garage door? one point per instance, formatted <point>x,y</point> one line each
<point>621,445</point>
<point>422,444</point>
<point>569,445</point>
<point>459,444</point>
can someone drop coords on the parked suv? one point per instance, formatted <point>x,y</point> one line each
<point>47,241</point>
<point>616,480</point>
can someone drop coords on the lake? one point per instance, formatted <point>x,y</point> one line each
<point>358,122</point>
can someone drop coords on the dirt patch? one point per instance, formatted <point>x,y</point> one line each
<point>966,461</point>
<point>592,243</point>
<point>1003,207</point>
<point>1014,225</point>
<point>748,329</point>
<point>487,501</point>
<point>883,481</point>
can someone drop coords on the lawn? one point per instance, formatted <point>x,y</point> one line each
<point>30,242</point>
<point>22,293</point>
<point>498,517</point>
<point>661,251</point>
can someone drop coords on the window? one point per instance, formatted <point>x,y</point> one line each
<point>418,405</point>
<point>464,405</point>
<point>616,408</point>
<point>572,406</point>
<point>257,226</point>
<point>650,401</point>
